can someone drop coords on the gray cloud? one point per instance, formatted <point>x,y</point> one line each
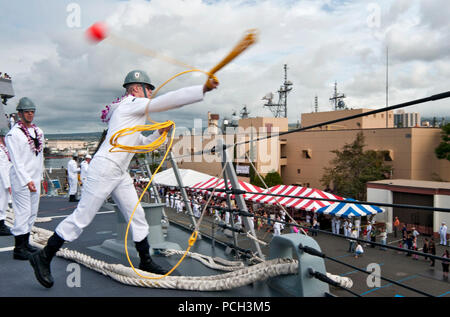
<point>321,41</point>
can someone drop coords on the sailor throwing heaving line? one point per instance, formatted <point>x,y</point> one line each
<point>108,174</point>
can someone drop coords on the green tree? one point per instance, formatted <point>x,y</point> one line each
<point>353,167</point>
<point>272,179</point>
<point>254,178</point>
<point>443,150</point>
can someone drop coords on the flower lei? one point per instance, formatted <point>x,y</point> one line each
<point>109,109</point>
<point>35,143</point>
<point>5,149</point>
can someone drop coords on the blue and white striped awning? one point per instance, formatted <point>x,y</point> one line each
<point>347,210</point>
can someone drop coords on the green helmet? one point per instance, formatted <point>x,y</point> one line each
<point>25,103</point>
<point>4,131</point>
<point>137,77</point>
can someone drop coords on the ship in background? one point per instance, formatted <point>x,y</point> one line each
<point>6,92</point>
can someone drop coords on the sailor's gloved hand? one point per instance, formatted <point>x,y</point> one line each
<point>210,84</point>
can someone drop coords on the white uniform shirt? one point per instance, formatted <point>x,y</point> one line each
<point>276,229</point>
<point>130,112</point>
<point>72,169</point>
<point>359,249</point>
<point>5,166</point>
<point>27,166</point>
<point>83,169</point>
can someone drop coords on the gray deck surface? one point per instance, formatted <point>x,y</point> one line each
<point>17,278</point>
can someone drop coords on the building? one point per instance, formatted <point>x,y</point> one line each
<point>69,147</point>
<point>213,123</point>
<point>267,155</point>
<point>407,120</point>
<point>410,152</point>
<point>411,192</point>
<point>300,157</point>
<point>374,121</point>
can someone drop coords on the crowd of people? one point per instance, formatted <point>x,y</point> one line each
<point>273,219</point>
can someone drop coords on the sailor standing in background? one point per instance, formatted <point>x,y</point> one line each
<point>84,170</point>
<point>337,228</point>
<point>358,225</point>
<point>196,208</point>
<point>5,189</point>
<point>167,200</point>
<point>25,143</point>
<point>443,234</point>
<point>72,175</point>
<point>277,227</point>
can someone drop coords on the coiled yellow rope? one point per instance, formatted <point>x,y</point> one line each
<point>248,40</point>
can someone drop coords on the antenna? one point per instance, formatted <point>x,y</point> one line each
<point>316,104</point>
<point>387,83</point>
<point>244,112</point>
<point>279,109</point>
<point>337,99</point>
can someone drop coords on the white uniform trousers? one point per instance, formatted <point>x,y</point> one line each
<point>25,205</point>
<point>105,178</point>
<point>73,185</point>
<point>443,236</point>
<point>4,197</point>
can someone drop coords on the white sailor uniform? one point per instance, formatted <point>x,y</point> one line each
<point>443,234</point>
<point>108,171</point>
<point>5,184</point>
<point>72,176</point>
<point>337,227</point>
<point>196,210</point>
<point>276,228</point>
<point>167,200</point>
<point>84,166</point>
<point>27,166</point>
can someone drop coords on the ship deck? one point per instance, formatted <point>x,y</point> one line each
<point>17,278</point>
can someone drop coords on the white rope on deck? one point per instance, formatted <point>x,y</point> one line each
<point>239,275</point>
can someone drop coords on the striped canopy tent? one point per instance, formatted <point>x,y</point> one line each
<point>298,202</point>
<point>211,183</point>
<point>348,210</point>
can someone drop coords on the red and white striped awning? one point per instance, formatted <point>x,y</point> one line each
<point>220,183</point>
<point>297,203</point>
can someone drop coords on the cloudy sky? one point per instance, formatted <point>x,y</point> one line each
<point>44,49</point>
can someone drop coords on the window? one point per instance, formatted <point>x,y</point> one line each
<point>306,154</point>
<point>298,171</point>
<point>388,155</point>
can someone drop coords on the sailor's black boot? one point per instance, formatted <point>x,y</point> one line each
<point>28,246</point>
<point>147,263</point>
<point>4,230</point>
<point>40,260</point>
<point>20,251</point>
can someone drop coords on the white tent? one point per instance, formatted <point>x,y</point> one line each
<point>189,177</point>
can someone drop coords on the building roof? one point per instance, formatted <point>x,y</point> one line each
<point>411,185</point>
